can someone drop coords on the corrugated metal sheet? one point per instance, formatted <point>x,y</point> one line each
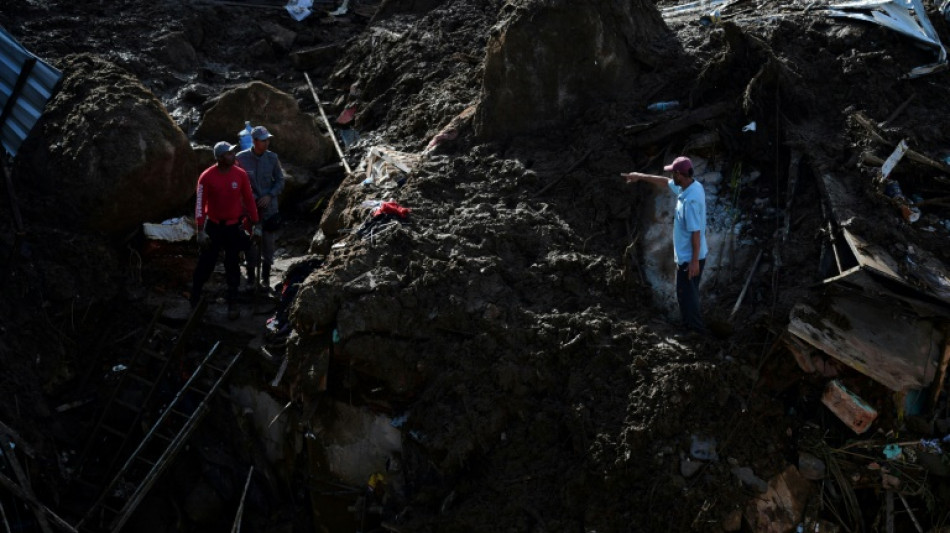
<point>26,83</point>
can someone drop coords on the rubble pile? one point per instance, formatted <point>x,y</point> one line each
<point>476,326</point>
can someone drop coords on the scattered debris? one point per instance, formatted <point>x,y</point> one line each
<point>896,15</point>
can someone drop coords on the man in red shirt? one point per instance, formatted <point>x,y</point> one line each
<point>224,199</point>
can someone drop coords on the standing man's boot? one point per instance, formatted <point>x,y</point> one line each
<point>252,283</point>
<point>265,277</point>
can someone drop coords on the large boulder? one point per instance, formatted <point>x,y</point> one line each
<point>549,60</point>
<point>105,156</point>
<point>297,137</point>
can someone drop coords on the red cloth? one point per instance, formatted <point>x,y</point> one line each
<point>346,116</point>
<point>224,196</point>
<point>392,208</point>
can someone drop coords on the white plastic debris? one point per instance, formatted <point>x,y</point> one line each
<point>342,9</point>
<point>893,159</point>
<point>172,230</point>
<point>299,9</point>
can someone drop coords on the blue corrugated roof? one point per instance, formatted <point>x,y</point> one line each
<point>26,83</point>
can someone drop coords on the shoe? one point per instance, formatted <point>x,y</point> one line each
<point>233,312</point>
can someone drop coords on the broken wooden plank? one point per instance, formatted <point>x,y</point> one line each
<point>942,370</point>
<point>848,407</point>
<point>893,159</point>
<point>802,353</point>
<point>891,346</point>
<point>676,125</point>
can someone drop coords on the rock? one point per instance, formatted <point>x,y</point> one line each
<point>749,479</point>
<point>296,139</point>
<point>689,468</point>
<point>105,156</point>
<point>810,466</point>
<point>279,35</point>
<point>539,69</point>
<point>175,48</point>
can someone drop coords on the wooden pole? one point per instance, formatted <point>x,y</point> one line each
<point>326,121</point>
<point>745,287</point>
<point>240,510</point>
<point>18,491</point>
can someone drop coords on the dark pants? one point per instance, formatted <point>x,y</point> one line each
<point>233,241</point>
<point>687,294</point>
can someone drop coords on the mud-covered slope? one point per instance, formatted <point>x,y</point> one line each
<point>543,390</point>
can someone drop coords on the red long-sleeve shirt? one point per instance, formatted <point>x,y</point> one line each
<point>224,196</point>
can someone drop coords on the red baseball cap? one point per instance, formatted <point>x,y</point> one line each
<point>681,164</point>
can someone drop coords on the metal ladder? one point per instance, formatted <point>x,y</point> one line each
<point>132,398</point>
<point>161,444</point>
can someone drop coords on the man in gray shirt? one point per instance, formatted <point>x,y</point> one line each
<point>267,181</point>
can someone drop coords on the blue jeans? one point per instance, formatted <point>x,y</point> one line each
<point>687,294</point>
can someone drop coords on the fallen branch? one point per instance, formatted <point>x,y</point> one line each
<point>900,109</point>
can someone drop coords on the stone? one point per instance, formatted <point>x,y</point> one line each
<point>105,156</point>
<point>810,466</point>
<point>689,468</point>
<point>297,137</point>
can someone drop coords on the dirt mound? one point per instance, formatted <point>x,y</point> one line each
<point>105,156</point>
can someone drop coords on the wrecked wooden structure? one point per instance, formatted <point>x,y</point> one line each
<point>885,318</point>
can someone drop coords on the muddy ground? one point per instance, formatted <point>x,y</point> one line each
<point>508,322</point>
